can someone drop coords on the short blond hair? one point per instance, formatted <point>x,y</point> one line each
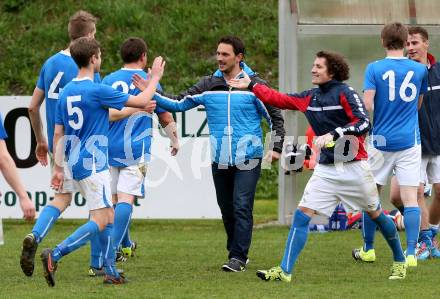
<point>81,24</point>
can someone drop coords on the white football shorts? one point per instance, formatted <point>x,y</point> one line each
<point>430,169</point>
<point>405,163</point>
<point>351,184</point>
<point>96,190</point>
<point>129,180</point>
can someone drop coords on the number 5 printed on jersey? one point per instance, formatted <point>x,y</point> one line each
<point>71,110</point>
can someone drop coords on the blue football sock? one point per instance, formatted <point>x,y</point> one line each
<point>411,219</point>
<point>296,240</point>
<point>123,212</point>
<point>79,238</point>
<point>45,221</point>
<point>389,231</point>
<point>106,239</point>
<point>368,231</point>
<point>95,252</point>
<point>126,241</point>
<point>434,230</point>
<point>425,236</point>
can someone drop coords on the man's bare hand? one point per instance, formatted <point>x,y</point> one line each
<point>241,83</point>
<point>174,148</point>
<point>57,180</point>
<point>41,152</point>
<point>140,82</point>
<point>150,107</point>
<point>324,141</point>
<point>28,208</point>
<point>158,67</point>
<point>272,156</point>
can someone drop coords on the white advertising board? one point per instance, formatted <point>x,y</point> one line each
<point>176,187</point>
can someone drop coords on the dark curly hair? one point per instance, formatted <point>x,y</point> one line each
<point>337,66</point>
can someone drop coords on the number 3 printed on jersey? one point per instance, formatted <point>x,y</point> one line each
<point>402,90</point>
<point>71,110</point>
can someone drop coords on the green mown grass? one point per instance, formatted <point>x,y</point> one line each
<point>181,259</point>
<point>185,32</point>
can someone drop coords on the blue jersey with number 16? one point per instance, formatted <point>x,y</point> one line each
<point>56,72</point>
<point>398,82</point>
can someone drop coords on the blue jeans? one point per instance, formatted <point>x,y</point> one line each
<point>235,189</point>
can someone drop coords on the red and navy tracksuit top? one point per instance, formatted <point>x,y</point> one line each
<point>333,107</point>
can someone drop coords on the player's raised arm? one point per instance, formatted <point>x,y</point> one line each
<point>141,100</point>
<point>42,148</point>
<point>115,115</point>
<point>169,103</point>
<point>271,96</point>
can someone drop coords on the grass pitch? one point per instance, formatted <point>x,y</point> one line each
<point>182,259</point>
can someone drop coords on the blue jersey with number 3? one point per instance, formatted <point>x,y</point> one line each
<point>129,138</point>
<point>398,82</point>
<point>56,72</point>
<point>83,111</point>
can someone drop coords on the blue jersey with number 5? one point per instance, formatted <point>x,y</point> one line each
<point>83,111</point>
<point>56,72</point>
<point>397,82</point>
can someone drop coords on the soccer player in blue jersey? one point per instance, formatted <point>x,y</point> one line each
<point>130,142</point>
<point>393,89</point>
<point>9,171</point>
<point>429,123</point>
<point>56,72</point>
<point>81,130</point>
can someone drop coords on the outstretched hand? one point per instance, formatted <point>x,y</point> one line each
<point>158,67</point>
<point>241,83</point>
<point>150,107</point>
<point>140,82</point>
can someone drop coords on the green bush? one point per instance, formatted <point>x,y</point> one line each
<point>184,32</point>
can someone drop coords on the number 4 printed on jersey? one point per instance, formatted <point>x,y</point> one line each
<point>53,86</point>
<point>402,90</point>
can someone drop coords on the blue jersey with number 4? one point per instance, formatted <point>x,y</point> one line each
<point>56,72</point>
<point>129,138</point>
<point>398,82</point>
<point>83,111</point>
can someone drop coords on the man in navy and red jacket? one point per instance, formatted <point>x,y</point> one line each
<point>338,117</point>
